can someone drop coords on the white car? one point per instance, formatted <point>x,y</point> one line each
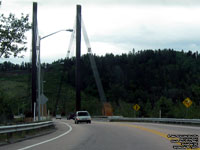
<point>82,116</point>
<point>58,117</point>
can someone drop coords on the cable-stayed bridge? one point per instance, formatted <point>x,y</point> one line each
<point>78,29</point>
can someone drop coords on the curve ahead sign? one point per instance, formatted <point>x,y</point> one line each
<point>136,107</point>
<point>187,102</point>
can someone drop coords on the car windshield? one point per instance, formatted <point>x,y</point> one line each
<point>83,114</point>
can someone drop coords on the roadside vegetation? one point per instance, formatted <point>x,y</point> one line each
<point>156,80</point>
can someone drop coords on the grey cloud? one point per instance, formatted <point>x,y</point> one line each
<point>148,2</point>
<point>113,2</point>
<point>151,41</point>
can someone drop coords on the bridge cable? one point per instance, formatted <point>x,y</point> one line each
<point>93,64</point>
<point>71,41</point>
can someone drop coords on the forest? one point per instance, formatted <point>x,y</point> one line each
<point>156,80</point>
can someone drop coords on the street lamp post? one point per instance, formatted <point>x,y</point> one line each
<point>42,94</point>
<point>39,67</point>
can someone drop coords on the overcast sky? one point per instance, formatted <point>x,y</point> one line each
<point>113,26</point>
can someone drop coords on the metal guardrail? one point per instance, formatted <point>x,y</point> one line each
<point>159,120</point>
<point>24,127</point>
<point>156,120</point>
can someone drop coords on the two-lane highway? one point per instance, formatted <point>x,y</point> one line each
<point>105,136</point>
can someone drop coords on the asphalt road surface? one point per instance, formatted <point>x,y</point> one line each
<point>106,136</point>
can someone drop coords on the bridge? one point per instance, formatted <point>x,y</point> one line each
<point>36,65</point>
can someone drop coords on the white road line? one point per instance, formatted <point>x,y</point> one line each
<point>70,129</point>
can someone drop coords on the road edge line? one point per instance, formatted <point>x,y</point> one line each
<point>52,139</point>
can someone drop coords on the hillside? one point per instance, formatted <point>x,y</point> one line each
<point>156,80</point>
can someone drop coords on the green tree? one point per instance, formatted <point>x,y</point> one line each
<point>5,109</point>
<point>148,109</point>
<point>12,35</point>
<point>116,93</point>
<point>165,105</point>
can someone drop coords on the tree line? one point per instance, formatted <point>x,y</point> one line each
<point>157,80</point>
<point>154,79</point>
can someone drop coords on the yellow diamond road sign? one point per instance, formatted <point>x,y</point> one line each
<point>136,107</point>
<point>187,102</point>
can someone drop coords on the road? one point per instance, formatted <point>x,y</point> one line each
<point>105,136</point>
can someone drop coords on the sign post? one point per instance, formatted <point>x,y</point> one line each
<point>187,102</point>
<point>136,107</point>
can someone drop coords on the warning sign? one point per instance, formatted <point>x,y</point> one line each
<point>136,107</point>
<point>187,102</point>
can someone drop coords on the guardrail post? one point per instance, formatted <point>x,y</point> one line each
<point>8,136</point>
